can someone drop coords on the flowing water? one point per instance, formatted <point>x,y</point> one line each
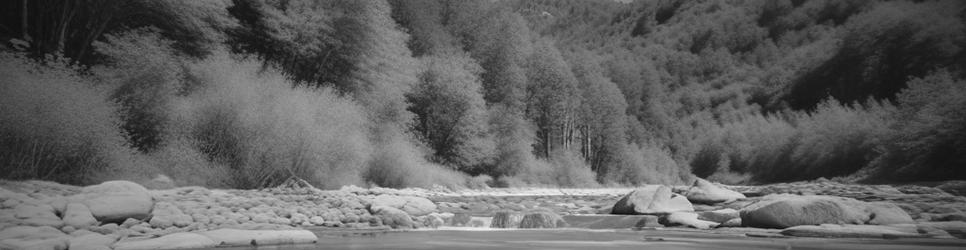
<point>596,240</point>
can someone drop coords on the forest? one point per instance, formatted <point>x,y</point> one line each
<point>477,93</point>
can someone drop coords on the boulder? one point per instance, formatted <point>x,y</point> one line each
<point>884,213</point>
<point>611,221</point>
<point>92,241</point>
<point>736,222</point>
<point>115,201</point>
<point>705,192</point>
<point>235,237</point>
<point>719,216</point>
<point>688,219</point>
<point>166,215</point>
<point>506,219</point>
<point>954,187</point>
<point>37,215</point>
<point>171,241</point>
<point>79,216</point>
<point>461,219</point>
<point>854,231</point>
<point>27,237</point>
<point>392,217</point>
<point>653,199</point>
<point>542,219</point>
<point>415,206</point>
<point>783,211</point>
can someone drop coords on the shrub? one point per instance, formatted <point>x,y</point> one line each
<point>253,121</point>
<point>570,170</point>
<point>55,125</point>
<point>927,141</point>
<point>646,164</point>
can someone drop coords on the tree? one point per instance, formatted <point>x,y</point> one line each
<point>451,113</point>
<point>602,121</point>
<point>552,99</point>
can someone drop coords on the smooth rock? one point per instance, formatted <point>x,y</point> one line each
<point>884,213</point>
<point>165,215</point>
<point>92,241</point>
<point>235,237</point>
<point>705,192</point>
<point>652,199</point>
<point>506,219</point>
<point>719,216</point>
<point>783,211</point>
<point>37,215</point>
<point>27,237</point>
<point>392,217</point>
<point>79,216</point>
<point>115,201</point>
<point>736,222</point>
<point>415,206</point>
<point>171,241</point>
<point>611,221</point>
<point>542,219</point>
<point>690,220</point>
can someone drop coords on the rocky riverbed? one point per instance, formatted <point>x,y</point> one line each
<point>125,215</point>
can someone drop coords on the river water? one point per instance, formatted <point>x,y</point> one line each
<point>596,240</point>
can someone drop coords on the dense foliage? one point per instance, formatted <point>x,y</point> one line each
<point>248,93</point>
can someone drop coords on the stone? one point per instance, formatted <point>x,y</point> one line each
<point>884,213</point>
<point>79,216</point>
<point>719,216</point>
<point>506,219</point>
<point>166,215</point>
<point>954,187</point>
<point>316,220</point>
<point>108,228</point>
<point>652,199</point>
<point>235,237</point>
<point>736,222</point>
<point>479,222</point>
<point>705,192</point>
<point>115,201</point>
<point>542,219</point>
<point>783,211</point>
<point>28,237</point>
<point>434,220</point>
<point>415,206</point>
<point>853,231</point>
<point>688,219</point>
<point>611,221</point>
<point>392,217</point>
<point>92,241</point>
<point>171,241</point>
<point>37,215</point>
<point>460,219</point>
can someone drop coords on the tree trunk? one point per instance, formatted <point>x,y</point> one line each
<point>23,21</point>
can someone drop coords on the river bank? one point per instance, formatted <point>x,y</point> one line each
<point>125,215</point>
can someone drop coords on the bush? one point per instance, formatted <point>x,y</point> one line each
<point>253,121</point>
<point>55,125</point>
<point>929,138</point>
<point>646,164</point>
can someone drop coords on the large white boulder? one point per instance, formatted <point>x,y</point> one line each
<point>171,241</point>
<point>783,211</point>
<point>653,199</point>
<point>235,237</point>
<point>115,201</point>
<point>705,192</point>
<point>79,216</point>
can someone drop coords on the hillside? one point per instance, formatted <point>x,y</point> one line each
<point>402,93</point>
